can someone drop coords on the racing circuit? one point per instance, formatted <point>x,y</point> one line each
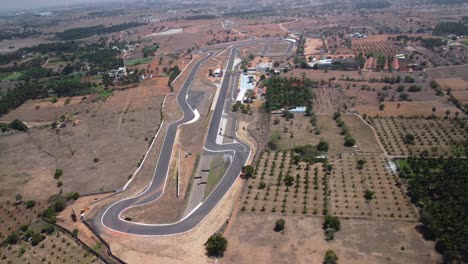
<point>110,216</point>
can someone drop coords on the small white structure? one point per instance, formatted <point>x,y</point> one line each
<point>217,73</point>
<point>298,110</point>
<point>400,56</point>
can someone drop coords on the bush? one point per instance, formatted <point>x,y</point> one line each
<point>409,79</point>
<point>330,257</point>
<point>58,173</point>
<point>262,185</point>
<point>13,238</point>
<point>279,225</point>
<point>30,204</point>
<point>409,139</point>
<point>75,232</point>
<point>323,146</point>
<point>36,239</point>
<point>216,245</point>
<point>18,125</point>
<point>414,88</point>
<point>289,180</point>
<point>336,115</point>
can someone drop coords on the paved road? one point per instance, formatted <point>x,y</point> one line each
<point>110,217</point>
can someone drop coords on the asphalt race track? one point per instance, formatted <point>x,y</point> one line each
<point>110,216</point>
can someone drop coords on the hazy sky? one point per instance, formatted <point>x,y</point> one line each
<point>6,5</point>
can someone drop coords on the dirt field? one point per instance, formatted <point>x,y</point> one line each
<point>253,240</point>
<point>449,72</point>
<point>455,83</point>
<point>365,139</point>
<point>303,132</point>
<point>408,109</point>
<point>312,46</point>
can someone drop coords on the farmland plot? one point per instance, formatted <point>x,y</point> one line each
<point>280,186</point>
<point>355,175</point>
<point>406,136</point>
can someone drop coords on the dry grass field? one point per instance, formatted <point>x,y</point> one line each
<point>437,136</point>
<point>253,240</point>
<point>300,131</point>
<point>449,72</point>
<point>312,46</point>
<point>88,148</point>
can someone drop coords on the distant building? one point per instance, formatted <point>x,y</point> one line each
<point>321,63</point>
<point>251,70</point>
<point>264,66</point>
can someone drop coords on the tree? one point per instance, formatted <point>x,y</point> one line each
<point>308,111</point>
<point>279,225</point>
<point>349,141</point>
<point>323,145</point>
<point>369,195</point>
<point>216,245</point>
<point>409,139</point>
<point>330,257</point>
<point>360,164</point>
<point>18,125</point>
<point>381,107</point>
<point>248,171</point>
<point>288,180</point>
<point>331,222</point>
<point>447,113</point>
